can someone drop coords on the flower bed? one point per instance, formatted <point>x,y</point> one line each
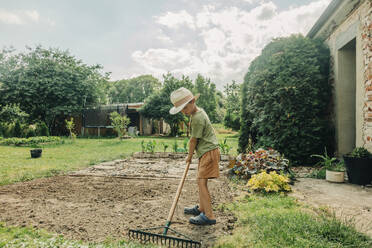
<point>246,165</point>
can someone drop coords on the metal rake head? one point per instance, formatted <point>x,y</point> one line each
<point>147,237</point>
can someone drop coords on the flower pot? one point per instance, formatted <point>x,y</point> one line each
<point>359,170</point>
<point>36,153</point>
<point>335,176</point>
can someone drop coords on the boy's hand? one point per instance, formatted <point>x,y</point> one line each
<point>188,159</point>
<point>192,144</point>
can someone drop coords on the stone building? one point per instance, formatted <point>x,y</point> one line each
<point>346,26</point>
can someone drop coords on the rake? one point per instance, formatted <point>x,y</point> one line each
<point>145,236</point>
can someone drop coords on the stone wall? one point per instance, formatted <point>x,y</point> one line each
<point>357,24</point>
<point>366,42</point>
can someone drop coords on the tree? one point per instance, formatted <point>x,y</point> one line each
<point>12,113</point>
<point>287,97</point>
<point>70,125</point>
<point>232,115</point>
<point>133,90</point>
<point>49,83</point>
<point>207,100</point>
<point>120,123</point>
<point>157,106</point>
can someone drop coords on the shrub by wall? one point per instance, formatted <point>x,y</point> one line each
<point>286,99</point>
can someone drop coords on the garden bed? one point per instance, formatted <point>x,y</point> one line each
<point>107,199</point>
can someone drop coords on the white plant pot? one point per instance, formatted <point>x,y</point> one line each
<point>335,176</point>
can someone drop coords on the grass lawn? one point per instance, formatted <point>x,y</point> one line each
<point>30,237</point>
<point>280,221</point>
<point>17,165</point>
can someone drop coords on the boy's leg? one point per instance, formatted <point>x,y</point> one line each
<point>205,198</point>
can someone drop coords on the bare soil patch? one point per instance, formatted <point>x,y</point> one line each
<point>108,199</point>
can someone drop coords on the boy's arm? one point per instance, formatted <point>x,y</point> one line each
<point>192,144</point>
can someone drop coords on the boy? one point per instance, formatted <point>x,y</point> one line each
<point>204,142</point>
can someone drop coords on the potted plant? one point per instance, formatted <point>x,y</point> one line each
<point>335,169</point>
<point>36,153</point>
<point>359,166</point>
<point>336,172</point>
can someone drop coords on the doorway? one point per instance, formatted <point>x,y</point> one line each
<point>346,98</point>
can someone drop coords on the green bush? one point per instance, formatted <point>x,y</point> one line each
<point>42,129</point>
<point>360,152</point>
<point>30,132</point>
<point>17,130</point>
<point>286,99</point>
<point>31,141</point>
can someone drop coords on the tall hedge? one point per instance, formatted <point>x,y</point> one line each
<point>286,98</point>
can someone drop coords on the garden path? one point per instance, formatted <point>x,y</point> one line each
<point>350,203</point>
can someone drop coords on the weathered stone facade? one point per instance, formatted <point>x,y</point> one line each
<point>366,42</point>
<point>346,26</point>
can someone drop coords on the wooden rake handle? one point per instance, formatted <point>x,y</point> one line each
<point>179,190</point>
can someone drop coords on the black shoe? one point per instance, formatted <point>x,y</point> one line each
<point>202,220</point>
<point>192,210</point>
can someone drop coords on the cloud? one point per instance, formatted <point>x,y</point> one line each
<point>176,19</point>
<point>267,11</point>
<point>19,17</point>
<point>222,42</point>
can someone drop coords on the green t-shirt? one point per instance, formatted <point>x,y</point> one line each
<point>202,130</point>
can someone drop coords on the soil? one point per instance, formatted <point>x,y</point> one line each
<point>107,200</point>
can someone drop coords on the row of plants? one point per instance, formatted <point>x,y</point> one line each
<point>32,141</point>
<point>150,145</point>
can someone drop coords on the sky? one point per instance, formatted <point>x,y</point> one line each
<point>215,38</point>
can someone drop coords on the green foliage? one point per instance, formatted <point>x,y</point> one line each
<point>286,97</point>
<point>132,90</point>
<point>150,147</point>
<point>279,221</point>
<point>30,131</point>
<point>175,146</point>
<point>158,105</point>
<point>252,163</point>
<point>225,148</point>
<point>120,123</point>
<point>11,113</point>
<point>360,152</point>
<point>31,141</point>
<point>42,129</point>
<point>143,147</point>
<point>318,173</point>
<point>208,98</point>
<point>185,143</point>
<point>63,84</point>
<point>326,161</point>
<point>70,125</point>
<point>165,146</point>
<point>330,163</point>
<point>232,115</point>
<point>17,130</point>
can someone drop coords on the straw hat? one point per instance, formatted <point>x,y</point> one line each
<point>180,98</point>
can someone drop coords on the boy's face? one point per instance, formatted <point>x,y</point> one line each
<point>188,109</point>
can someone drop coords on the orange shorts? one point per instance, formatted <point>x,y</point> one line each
<point>208,164</point>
